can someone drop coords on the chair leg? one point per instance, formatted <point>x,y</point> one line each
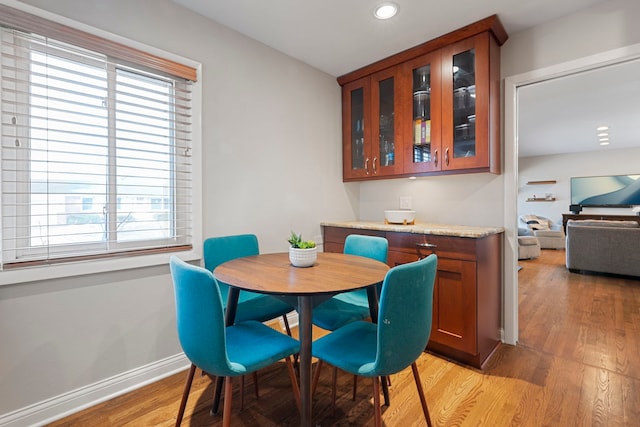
<point>376,401</point>
<point>355,387</point>
<point>242,393</point>
<point>286,324</point>
<point>217,393</point>
<point>255,383</point>
<point>316,377</point>
<point>334,380</point>
<point>423,401</point>
<point>294,383</point>
<point>226,411</point>
<point>185,394</point>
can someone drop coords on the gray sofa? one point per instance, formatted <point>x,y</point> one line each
<point>603,246</point>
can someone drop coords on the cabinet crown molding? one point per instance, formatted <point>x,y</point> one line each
<point>491,24</point>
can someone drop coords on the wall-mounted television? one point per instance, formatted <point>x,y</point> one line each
<point>606,191</point>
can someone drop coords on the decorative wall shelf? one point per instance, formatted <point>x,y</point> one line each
<point>551,181</point>
<point>541,199</point>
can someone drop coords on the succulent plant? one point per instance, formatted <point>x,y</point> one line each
<point>295,240</point>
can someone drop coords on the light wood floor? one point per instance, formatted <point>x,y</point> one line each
<point>577,364</point>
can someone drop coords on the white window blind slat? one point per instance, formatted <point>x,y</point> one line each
<point>95,154</point>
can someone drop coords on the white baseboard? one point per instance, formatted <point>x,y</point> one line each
<point>66,404</point>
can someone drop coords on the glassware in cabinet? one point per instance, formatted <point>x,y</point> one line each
<point>387,119</point>
<point>423,86</point>
<point>466,74</point>
<point>356,132</point>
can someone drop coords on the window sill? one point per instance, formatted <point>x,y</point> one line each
<point>57,271</point>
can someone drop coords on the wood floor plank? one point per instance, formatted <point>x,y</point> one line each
<point>577,363</point>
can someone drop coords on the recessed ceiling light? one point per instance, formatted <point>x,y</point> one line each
<point>385,10</point>
<point>603,134</point>
<point>601,128</point>
<point>604,142</point>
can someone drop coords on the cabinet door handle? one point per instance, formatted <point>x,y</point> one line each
<point>423,248</point>
<point>446,156</point>
<point>366,166</point>
<point>375,171</point>
<point>435,157</point>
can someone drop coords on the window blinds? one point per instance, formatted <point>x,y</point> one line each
<point>95,156</point>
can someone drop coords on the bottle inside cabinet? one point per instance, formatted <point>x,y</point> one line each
<point>464,104</point>
<point>422,114</point>
<point>357,129</point>
<point>386,129</point>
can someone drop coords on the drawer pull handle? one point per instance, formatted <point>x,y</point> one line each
<point>420,247</point>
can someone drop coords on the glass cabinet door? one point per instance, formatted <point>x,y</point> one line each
<point>386,125</point>
<point>387,139</point>
<point>356,129</point>
<point>423,153</point>
<point>464,104</point>
<point>465,68</point>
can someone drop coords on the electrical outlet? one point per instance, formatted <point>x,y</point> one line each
<point>405,202</point>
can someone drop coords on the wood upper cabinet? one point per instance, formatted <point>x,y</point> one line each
<point>356,131</point>
<point>387,117</point>
<point>423,136</point>
<point>469,124</point>
<point>432,109</point>
<point>372,120</point>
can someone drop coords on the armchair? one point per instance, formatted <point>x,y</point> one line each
<point>549,234</point>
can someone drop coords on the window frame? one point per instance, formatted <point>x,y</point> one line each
<point>119,261</point>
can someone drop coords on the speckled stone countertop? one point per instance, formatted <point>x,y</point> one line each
<point>420,228</point>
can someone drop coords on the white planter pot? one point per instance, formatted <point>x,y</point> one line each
<point>303,257</point>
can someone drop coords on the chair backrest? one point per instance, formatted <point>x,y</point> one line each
<point>536,222</point>
<point>368,246</point>
<point>200,317</point>
<point>217,250</point>
<point>405,315</point>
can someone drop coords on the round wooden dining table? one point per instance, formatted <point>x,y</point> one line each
<point>303,288</point>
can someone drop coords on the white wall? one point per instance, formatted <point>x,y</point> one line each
<point>605,26</point>
<point>474,199</point>
<point>561,168</point>
<point>271,164</point>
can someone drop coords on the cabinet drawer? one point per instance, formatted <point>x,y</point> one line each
<point>339,234</point>
<point>445,246</point>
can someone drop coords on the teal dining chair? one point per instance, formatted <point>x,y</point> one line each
<point>251,305</point>
<point>348,307</point>
<point>351,306</point>
<point>224,351</point>
<point>401,335</point>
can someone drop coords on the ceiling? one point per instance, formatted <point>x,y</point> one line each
<point>339,36</point>
<point>561,115</point>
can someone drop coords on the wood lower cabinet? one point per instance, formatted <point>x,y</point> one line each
<point>467,292</point>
